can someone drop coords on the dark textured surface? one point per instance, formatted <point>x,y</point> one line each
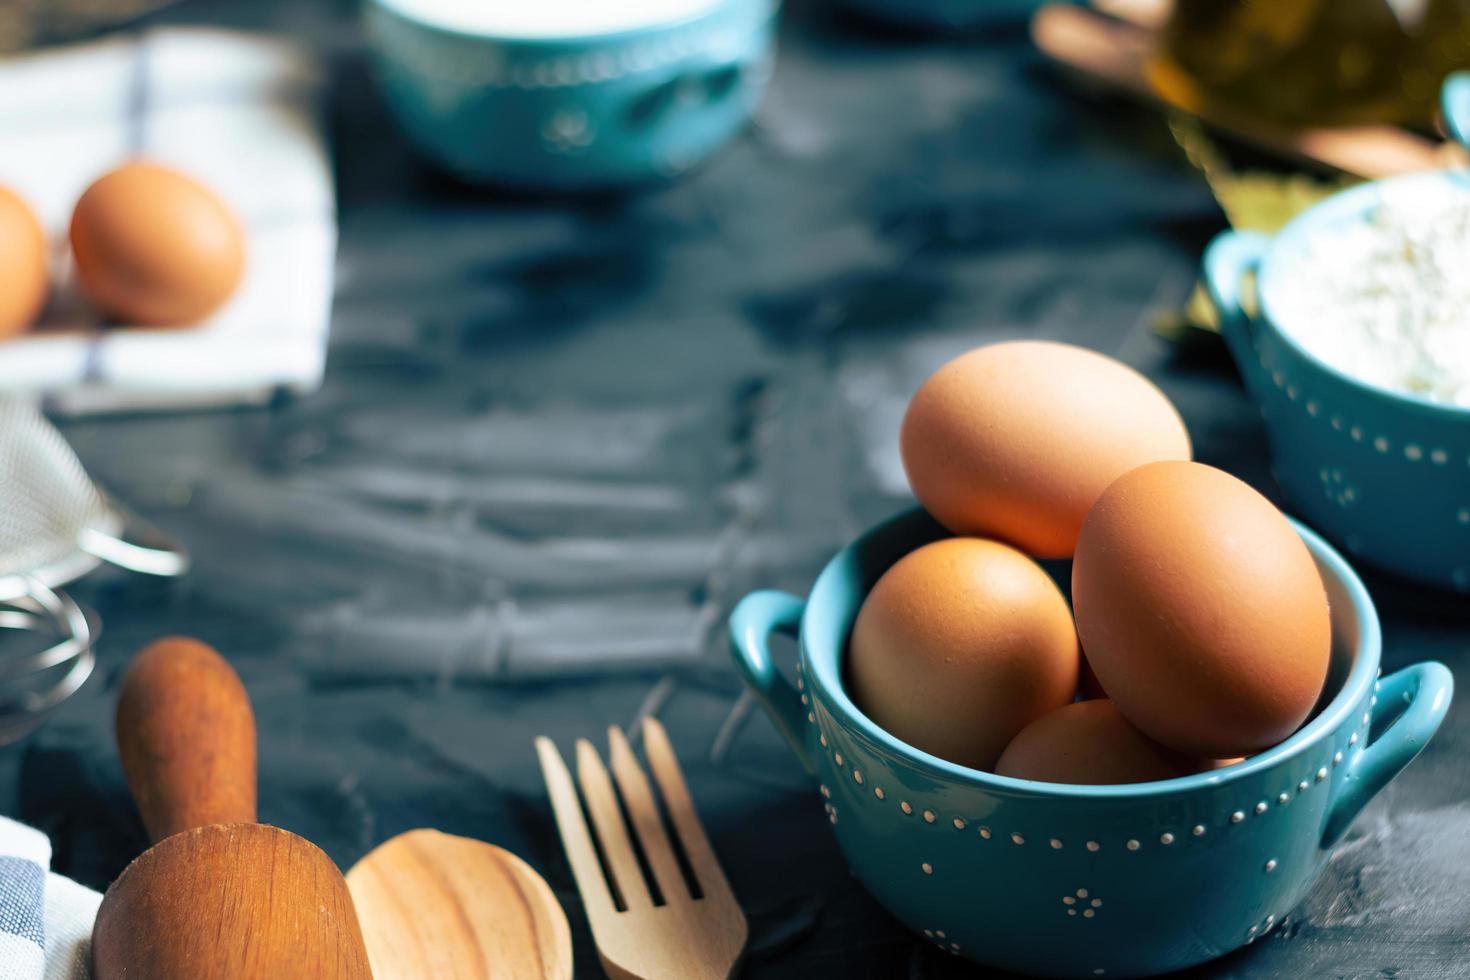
<point>558,441</point>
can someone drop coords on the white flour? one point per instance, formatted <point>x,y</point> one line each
<point>1387,300</point>
<point>548,18</point>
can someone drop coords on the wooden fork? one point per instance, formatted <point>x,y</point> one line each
<point>683,938</point>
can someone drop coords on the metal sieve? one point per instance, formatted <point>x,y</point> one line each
<point>55,526</point>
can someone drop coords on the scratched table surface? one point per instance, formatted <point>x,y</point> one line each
<point>559,440</point>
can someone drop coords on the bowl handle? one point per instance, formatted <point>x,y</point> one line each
<point>714,78</point>
<point>759,616</point>
<point>1227,260</point>
<point>1455,99</point>
<point>1419,696</point>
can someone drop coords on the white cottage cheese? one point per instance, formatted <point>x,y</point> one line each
<point>1387,300</point>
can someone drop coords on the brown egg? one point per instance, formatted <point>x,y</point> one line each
<point>1017,440</point>
<point>1202,612</point>
<point>22,265</point>
<point>154,247</point>
<point>1090,743</point>
<point>1088,689</point>
<point>959,646</point>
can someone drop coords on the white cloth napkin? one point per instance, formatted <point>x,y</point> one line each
<point>238,112</point>
<point>45,919</point>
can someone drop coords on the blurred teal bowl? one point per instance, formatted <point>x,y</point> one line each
<point>945,14</point>
<point>577,113</point>
<point>1083,881</point>
<point>1457,106</point>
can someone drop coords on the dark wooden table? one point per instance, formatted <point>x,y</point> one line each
<point>558,440</point>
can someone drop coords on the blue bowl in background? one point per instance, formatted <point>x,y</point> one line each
<point>1456,101</point>
<point>580,112</point>
<point>1083,881</point>
<point>931,15</point>
<point>1385,474</point>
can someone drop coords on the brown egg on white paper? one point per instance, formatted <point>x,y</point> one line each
<point>154,247</point>
<point>23,265</point>
<point>1017,440</point>
<point>1201,610</point>
<point>960,645</point>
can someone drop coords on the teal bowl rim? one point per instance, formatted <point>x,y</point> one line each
<point>1354,687</point>
<point>714,9</point>
<point>1355,202</point>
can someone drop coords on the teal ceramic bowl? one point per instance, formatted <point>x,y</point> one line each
<point>1384,474</point>
<point>578,113</point>
<point>1457,106</point>
<point>1083,881</point>
<point>932,15</point>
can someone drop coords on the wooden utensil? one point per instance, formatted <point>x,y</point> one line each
<point>658,929</point>
<point>1115,50</point>
<point>218,896</point>
<point>438,907</point>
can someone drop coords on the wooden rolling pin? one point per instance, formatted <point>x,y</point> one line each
<point>218,896</point>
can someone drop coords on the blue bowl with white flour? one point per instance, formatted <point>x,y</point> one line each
<point>571,94</point>
<point>1083,881</point>
<point>1379,461</point>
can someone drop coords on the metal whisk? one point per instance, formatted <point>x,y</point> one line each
<point>32,682</point>
<point>55,526</point>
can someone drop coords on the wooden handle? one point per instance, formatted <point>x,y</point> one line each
<point>218,896</point>
<point>186,735</point>
<point>230,902</point>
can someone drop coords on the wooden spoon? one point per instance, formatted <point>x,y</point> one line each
<point>218,896</point>
<point>437,906</point>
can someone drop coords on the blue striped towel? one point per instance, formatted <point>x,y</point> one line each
<point>237,111</point>
<point>45,919</point>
